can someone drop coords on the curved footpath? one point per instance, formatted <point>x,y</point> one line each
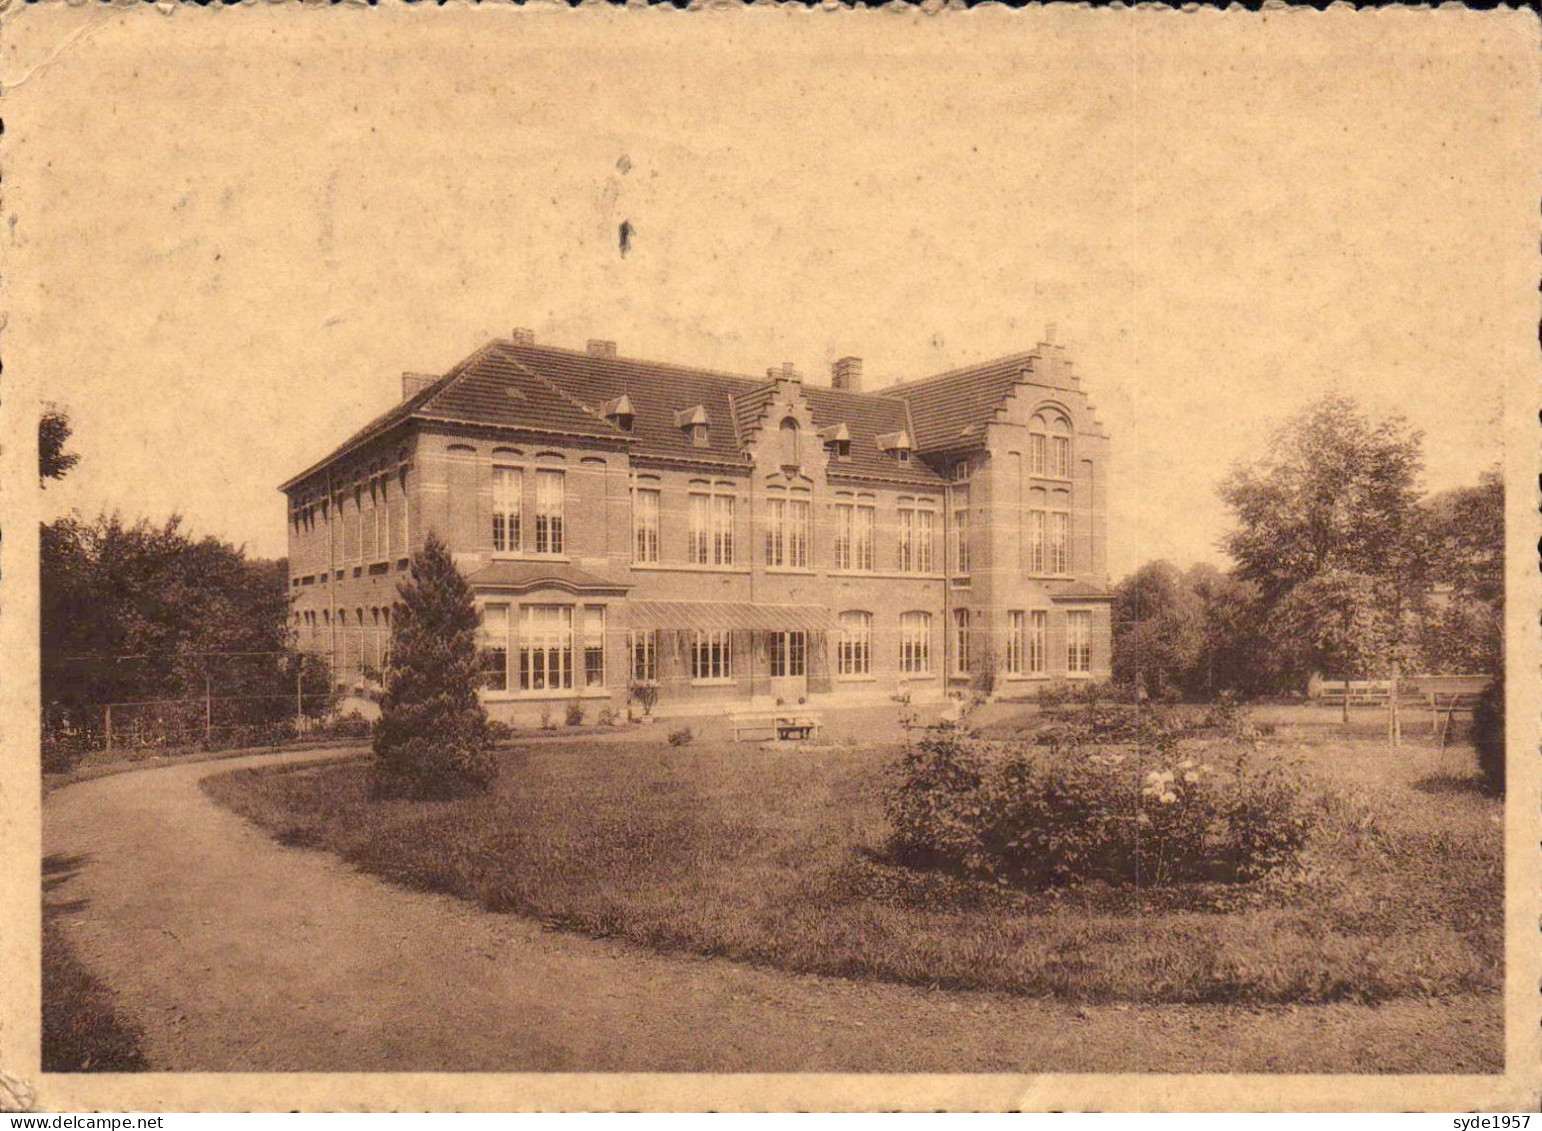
<point>237,954</point>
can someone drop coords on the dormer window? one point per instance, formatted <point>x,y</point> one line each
<point>897,444</point>
<point>619,412</point>
<point>961,470</point>
<point>837,440</point>
<point>694,422</point>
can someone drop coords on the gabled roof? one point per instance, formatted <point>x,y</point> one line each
<point>951,409</point>
<point>567,392</point>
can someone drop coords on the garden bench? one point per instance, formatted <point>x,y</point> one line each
<point>781,725</point>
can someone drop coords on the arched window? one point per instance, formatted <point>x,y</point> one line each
<point>789,442</point>
<point>915,643</point>
<point>854,654</point>
<point>1049,445</point>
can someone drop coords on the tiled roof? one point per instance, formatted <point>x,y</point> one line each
<point>944,406</point>
<point>565,391</point>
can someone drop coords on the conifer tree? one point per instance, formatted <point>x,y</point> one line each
<point>432,739</point>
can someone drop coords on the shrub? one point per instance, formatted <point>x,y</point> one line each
<point>606,717</point>
<point>646,694</point>
<point>432,739</point>
<point>548,722</point>
<point>1488,734</point>
<point>575,714</point>
<point>682,737</point>
<point>351,725</point>
<point>499,731</point>
<point>1057,815</point>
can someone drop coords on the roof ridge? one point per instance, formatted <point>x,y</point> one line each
<point>964,369</point>
<point>697,369</point>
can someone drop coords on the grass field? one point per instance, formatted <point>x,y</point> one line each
<point>776,856</point>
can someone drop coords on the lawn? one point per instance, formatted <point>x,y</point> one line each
<point>777,856</point>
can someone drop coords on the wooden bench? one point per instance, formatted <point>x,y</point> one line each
<point>779,725</point>
<point>1359,693</point>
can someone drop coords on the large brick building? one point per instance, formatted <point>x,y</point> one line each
<point>731,539</point>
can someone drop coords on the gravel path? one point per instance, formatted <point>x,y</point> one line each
<point>237,954</point>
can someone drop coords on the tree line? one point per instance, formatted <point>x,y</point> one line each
<point>1343,567</point>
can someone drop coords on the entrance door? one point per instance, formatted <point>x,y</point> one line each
<point>789,666</point>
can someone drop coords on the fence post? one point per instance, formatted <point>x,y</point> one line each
<point>107,726</point>
<point>208,711</point>
<point>299,695</point>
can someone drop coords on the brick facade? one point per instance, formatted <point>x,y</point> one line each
<point>542,469</point>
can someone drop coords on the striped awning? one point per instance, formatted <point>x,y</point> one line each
<point>716,616</point>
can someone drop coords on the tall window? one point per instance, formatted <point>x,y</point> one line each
<point>789,654</point>
<point>1036,644</point>
<point>711,655</point>
<point>494,641</point>
<point>1078,641</point>
<point>1059,542</point>
<point>1037,521</point>
<point>787,532</point>
<point>508,484</point>
<point>645,525</point>
<point>1017,628</point>
<point>960,640</point>
<point>854,651</point>
<point>644,647</point>
<point>916,529</point>
<point>594,646</point>
<point>549,501</point>
<point>1060,451</point>
<point>961,541</point>
<point>546,647</point>
<point>854,523</point>
<point>712,528</point>
<point>915,642</point>
<point>370,530</point>
<point>1049,445</point>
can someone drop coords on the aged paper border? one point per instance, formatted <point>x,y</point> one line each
<point>1519,1088</point>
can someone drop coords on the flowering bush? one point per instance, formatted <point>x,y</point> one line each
<point>1066,813</point>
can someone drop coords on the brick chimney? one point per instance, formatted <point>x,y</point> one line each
<point>600,347</point>
<point>847,374</point>
<point>415,383</point>
<point>523,337</point>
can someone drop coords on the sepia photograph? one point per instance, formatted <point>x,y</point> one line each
<point>946,557</point>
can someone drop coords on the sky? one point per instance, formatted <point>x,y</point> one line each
<point>236,228</point>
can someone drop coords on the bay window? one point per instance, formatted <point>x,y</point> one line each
<point>546,648</point>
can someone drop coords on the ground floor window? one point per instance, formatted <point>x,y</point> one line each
<point>546,648</point>
<point>1078,641</point>
<point>644,647</point>
<point>494,647</point>
<point>915,642</point>
<point>789,654</point>
<point>961,640</point>
<point>711,655</point>
<point>1036,644</point>
<point>594,646</point>
<point>854,655</point>
<point>1016,630</point>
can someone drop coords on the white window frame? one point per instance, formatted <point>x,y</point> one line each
<point>493,647</point>
<point>1058,550</point>
<point>961,541</point>
<point>646,504</point>
<point>545,651</point>
<point>710,538</point>
<point>854,647</point>
<point>550,505</point>
<point>712,656</point>
<point>593,629</point>
<point>788,655</point>
<point>643,652</point>
<point>915,643</point>
<point>961,642</point>
<point>1017,632</point>
<point>1078,642</point>
<point>507,509</point>
<point>1036,644</point>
